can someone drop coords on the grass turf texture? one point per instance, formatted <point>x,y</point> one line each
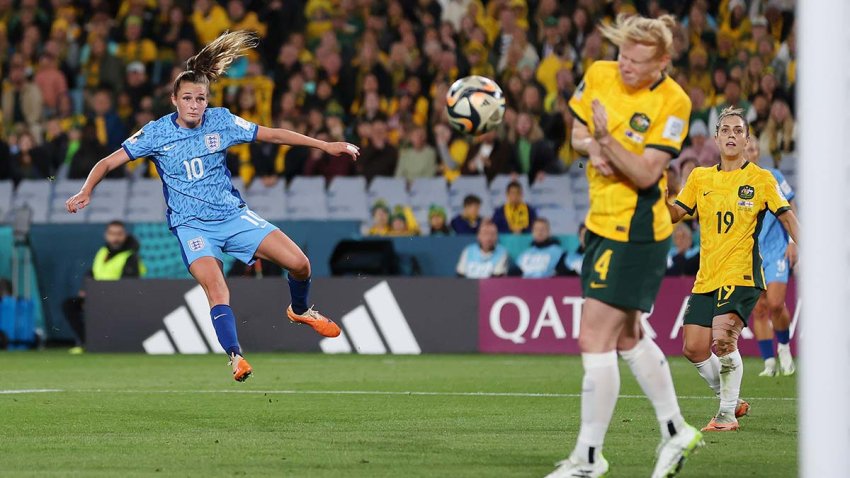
<point>134,415</point>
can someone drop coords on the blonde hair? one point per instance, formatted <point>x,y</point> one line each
<point>657,32</point>
<point>731,111</point>
<point>212,61</point>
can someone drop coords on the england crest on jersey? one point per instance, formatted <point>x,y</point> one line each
<point>213,142</point>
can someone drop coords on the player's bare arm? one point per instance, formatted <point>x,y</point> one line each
<point>583,142</point>
<point>677,212</point>
<point>285,136</point>
<point>98,172</point>
<point>643,170</point>
<point>790,223</point>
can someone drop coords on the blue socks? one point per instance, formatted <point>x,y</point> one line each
<point>299,290</point>
<point>783,336</point>
<point>224,323</point>
<point>766,348</point>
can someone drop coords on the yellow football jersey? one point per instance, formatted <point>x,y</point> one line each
<point>731,206</point>
<point>654,117</point>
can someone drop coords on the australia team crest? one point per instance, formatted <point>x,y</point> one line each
<point>212,142</point>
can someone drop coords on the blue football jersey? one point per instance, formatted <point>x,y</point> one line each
<point>773,239</point>
<point>191,163</point>
<point>537,262</point>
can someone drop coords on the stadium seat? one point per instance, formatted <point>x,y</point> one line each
<point>6,193</point>
<point>562,220</point>
<point>110,201</point>
<point>268,202</point>
<point>425,192</point>
<point>553,190</point>
<point>301,207</point>
<point>429,191</point>
<point>347,198</point>
<point>390,189</point>
<point>146,202</point>
<point>36,194</point>
<point>310,186</point>
<point>465,185</point>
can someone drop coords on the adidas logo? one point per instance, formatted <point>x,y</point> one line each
<point>359,327</point>
<point>188,329</point>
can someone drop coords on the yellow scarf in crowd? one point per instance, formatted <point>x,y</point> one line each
<point>517,216</point>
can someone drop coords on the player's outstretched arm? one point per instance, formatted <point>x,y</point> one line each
<point>285,136</point>
<point>642,170</point>
<point>97,173</point>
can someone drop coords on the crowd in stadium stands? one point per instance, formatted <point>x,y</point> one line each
<point>80,76</point>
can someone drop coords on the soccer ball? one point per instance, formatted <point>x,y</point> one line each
<point>475,105</point>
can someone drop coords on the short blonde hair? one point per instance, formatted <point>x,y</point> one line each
<point>657,32</point>
<point>732,111</point>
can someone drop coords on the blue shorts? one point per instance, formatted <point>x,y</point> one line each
<point>239,236</point>
<point>775,267</point>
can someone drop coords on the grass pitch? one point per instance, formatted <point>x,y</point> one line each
<point>331,416</point>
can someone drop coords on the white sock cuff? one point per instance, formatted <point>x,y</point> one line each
<point>605,359</point>
<point>705,362</point>
<point>734,357</point>
<point>642,346</point>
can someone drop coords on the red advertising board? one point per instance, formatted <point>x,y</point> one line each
<point>541,316</point>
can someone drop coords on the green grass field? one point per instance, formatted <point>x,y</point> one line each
<point>331,416</point>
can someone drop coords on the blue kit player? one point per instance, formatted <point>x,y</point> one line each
<point>779,255</point>
<point>205,212</point>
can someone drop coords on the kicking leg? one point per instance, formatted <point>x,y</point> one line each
<point>650,368</point>
<point>280,249</point>
<point>652,371</point>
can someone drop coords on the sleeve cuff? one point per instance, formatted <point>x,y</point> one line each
<point>781,210</point>
<point>577,116</point>
<point>674,152</point>
<point>256,130</point>
<point>126,150</point>
<point>687,209</point>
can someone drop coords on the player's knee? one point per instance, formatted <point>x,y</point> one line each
<point>695,353</point>
<point>217,292</point>
<point>725,346</point>
<point>300,268</point>
<point>775,308</point>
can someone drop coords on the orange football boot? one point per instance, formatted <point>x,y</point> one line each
<point>714,426</point>
<point>321,324</point>
<point>742,409</point>
<point>241,368</point>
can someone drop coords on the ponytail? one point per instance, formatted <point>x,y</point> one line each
<point>212,61</point>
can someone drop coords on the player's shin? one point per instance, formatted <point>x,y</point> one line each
<point>299,290</point>
<point>709,370</point>
<point>224,323</point>
<point>600,388</point>
<point>650,368</point>
<point>731,375</point>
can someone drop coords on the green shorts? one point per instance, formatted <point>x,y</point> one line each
<point>623,274</point>
<point>739,300</point>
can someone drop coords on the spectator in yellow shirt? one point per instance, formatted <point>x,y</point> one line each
<point>210,20</point>
<point>136,48</point>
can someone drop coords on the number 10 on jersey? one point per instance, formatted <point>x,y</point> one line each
<point>194,169</point>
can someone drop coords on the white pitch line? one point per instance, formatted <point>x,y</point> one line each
<point>32,390</point>
<point>406,393</point>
